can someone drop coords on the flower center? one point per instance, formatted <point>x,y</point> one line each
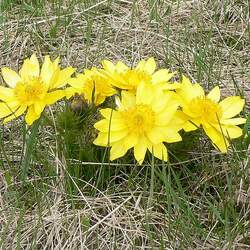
<point>206,109</point>
<point>31,91</point>
<point>139,119</point>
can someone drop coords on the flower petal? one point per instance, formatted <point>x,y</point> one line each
<point>106,125</point>
<point>54,96</point>
<point>6,94</point>
<point>231,106</point>
<point>214,94</point>
<point>171,136</point>
<point>230,131</point>
<point>105,139</point>
<point>120,148</point>
<point>164,117</point>
<point>7,109</point>
<point>144,94</point>
<point>159,151</point>
<point>30,68</point>
<point>107,65</point>
<point>181,120</point>
<point>10,77</point>
<point>39,107</point>
<point>148,66</point>
<point>156,135</point>
<point>162,75</point>
<point>121,67</point>
<point>127,100</point>
<point>188,91</point>
<point>16,114</point>
<point>70,92</point>
<point>233,121</point>
<point>48,69</point>
<point>233,131</point>
<point>218,139</point>
<point>131,140</point>
<point>117,150</point>
<point>61,77</point>
<point>140,150</point>
<point>31,115</point>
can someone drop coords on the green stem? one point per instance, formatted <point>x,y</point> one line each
<point>30,144</point>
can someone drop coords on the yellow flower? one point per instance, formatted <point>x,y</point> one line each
<point>215,116</point>
<point>32,89</point>
<point>92,84</point>
<point>142,121</point>
<point>123,77</point>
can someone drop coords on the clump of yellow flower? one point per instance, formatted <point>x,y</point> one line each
<point>32,88</point>
<point>126,78</point>
<point>142,121</point>
<point>92,85</point>
<point>149,114</point>
<point>215,116</point>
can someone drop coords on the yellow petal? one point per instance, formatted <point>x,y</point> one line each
<point>78,82</point>
<point>70,92</point>
<point>156,135</point>
<point>214,94</point>
<point>169,86</point>
<point>233,131</point>
<point>181,120</point>
<point>16,114</point>
<point>188,91</point>
<point>104,139</point>
<point>231,106</point>
<point>148,66</point>
<point>7,109</point>
<point>140,150</point>
<point>6,94</point>
<point>106,125</point>
<point>171,135</point>
<point>108,113</point>
<point>35,63</point>
<point>186,81</point>
<point>159,151</point>
<point>144,94</point>
<point>39,107</point>
<point>54,96</point>
<point>56,62</point>
<point>10,77</point>
<point>47,70</point>
<point>164,117</point>
<point>218,139</point>
<point>188,126</point>
<point>233,121</point>
<point>31,115</point>
<point>130,140</point>
<point>230,131</point>
<point>197,90</point>
<point>162,75</point>
<point>127,99</point>
<point>121,67</point>
<point>120,148</point>
<point>30,68</point>
<point>107,65</point>
<point>164,100</point>
<point>61,78</point>
<point>117,150</point>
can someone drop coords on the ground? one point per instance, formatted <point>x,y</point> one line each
<point>54,195</point>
